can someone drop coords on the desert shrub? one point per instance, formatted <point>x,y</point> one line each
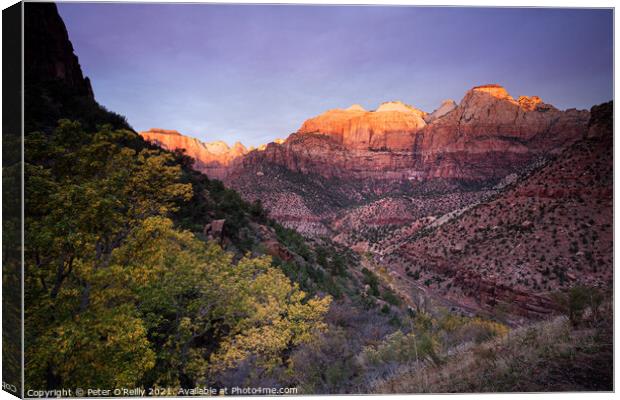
<point>391,297</point>
<point>402,348</point>
<point>577,300</point>
<point>326,364</point>
<point>372,281</point>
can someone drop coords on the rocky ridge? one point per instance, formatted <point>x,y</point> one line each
<point>48,52</point>
<point>548,231</point>
<point>213,158</point>
<point>346,158</point>
<point>393,151</point>
<point>487,136</point>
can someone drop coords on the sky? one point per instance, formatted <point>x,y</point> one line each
<point>254,73</point>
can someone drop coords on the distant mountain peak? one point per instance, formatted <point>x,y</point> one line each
<point>445,107</point>
<point>356,107</point>
<point>493,89</point>
<point>212,158</point>
<point>398,106</point>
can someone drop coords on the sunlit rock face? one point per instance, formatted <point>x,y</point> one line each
<point>211,158</point>
<point>489,133</point>
<point>350,155</point>
<point>391,127</point>
<point>486,136</point>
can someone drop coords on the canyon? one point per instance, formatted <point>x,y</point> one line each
<point>407,246</point>
<point>437,196</point>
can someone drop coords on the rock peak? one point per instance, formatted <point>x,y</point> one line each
<point>396,106</point>
<point>529,103</point>
<point>493,89</point>
<point>445,107</point>
<point>356,107</point>
<point>211,158</point>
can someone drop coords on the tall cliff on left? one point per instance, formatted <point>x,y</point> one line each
<point>54,84</point>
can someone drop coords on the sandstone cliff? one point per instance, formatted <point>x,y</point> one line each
<point>445,107</point>
<point>490,133</point>
<point>486,137</point>
<point>346,158</point>
<point>213,159</point>
<point>391,127</point>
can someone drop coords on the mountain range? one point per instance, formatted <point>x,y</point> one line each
<point>398,183</point>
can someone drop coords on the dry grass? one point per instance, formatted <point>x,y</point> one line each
<point>547,356</point>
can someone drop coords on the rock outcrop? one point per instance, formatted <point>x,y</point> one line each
<point>214,230</point>
<point>487,136</point>
<point>213,159</point>
<point>490,133</point>
<point>54,85</point>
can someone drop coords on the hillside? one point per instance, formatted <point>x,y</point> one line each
<point>550,356</point>
<point>550,230</point>
<point>344,160</point>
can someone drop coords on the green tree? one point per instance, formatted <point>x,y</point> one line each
<point>117,296</point>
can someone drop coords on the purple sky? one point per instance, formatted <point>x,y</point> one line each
<point>255,73</point>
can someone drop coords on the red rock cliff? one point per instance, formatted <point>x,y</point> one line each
<point>392,126</point>
<point>487,136</point>
<point>212,158</point>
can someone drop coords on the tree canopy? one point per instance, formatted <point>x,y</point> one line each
<point>118,295</point>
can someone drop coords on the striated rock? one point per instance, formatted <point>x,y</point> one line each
<point>486,137</point>
<point>489,134</point>
<point>212,158</point>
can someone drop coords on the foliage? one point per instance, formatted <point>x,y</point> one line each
<point>372,281</point>
<point>402,348</point>
<point>293,241</point>
<point>459,329</point>
<point>118,296</point>
<point>577,300</point>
